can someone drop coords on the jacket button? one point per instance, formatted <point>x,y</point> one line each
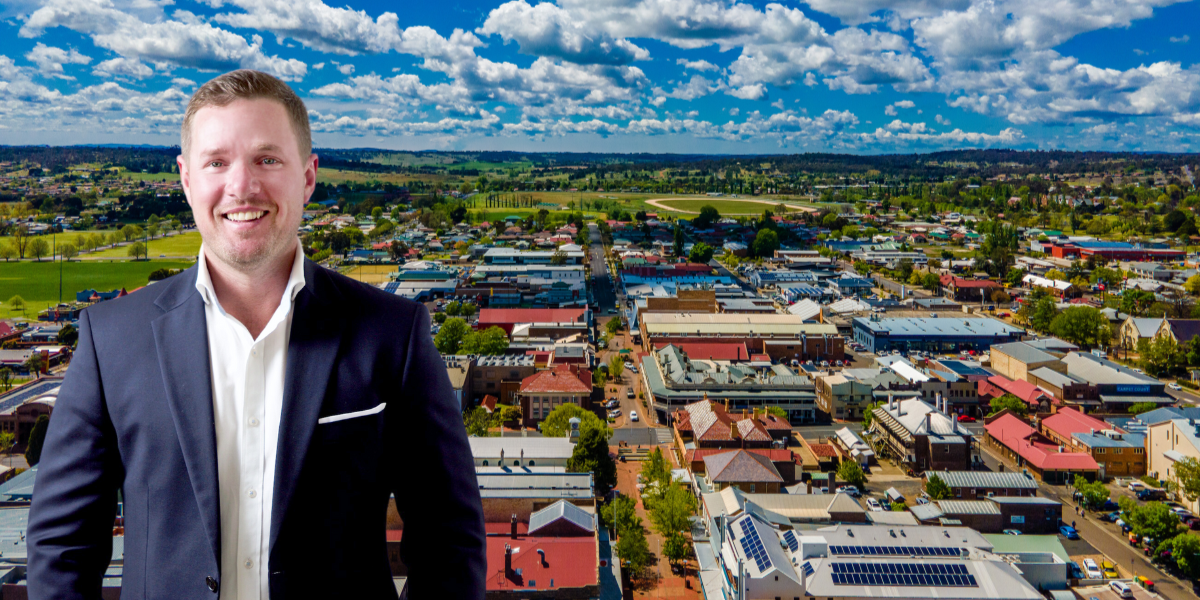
<point>212,584</point>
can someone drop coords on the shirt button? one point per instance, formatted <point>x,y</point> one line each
<point>253,422</point>
<point>249,563</point>
<point>253,494</point>
<point>254,352</point>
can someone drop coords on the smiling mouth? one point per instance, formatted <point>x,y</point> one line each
<point>245,216</point>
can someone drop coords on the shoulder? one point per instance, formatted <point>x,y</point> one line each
<point>146,303</point>
<point>362,301</point>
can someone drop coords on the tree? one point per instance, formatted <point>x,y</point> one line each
<point>1192,285</point>
<point>616,366</point>
<point>671,511</point>
<point>1014,405</point>
<point>1136,301</point>
<point>676,548</point>
<point>39,248</point>
<point>68,335</point>
<point>1187,478</point>
<point>591,456</point>
<point>656,468</point>
<point>7,251</point>
<point>633,550</point>
<point>37,437</point>
<point>138,250</point>
<point>7,440</point>
<point>999,246</point>
<point>36,363</point>
<point>449,338</point>
<point>613,325</point>
<point>559,258</point>
<point>708,216</point>
<point>702,253</point>
<point>439,318</point>
<point>477,421</point>
<point>68,251</point>
<point>1138,408</point>
<point>1185,551</point>
<point>558,422</point>
<point>1043,313</point>
<point>765,243</point>
<point>454,309</point>
<point>1056,274</point>
<point>17,303</point>
<point>851,473</point>
<point>898,507</point>
<point>1082,325</point>
<point>1159,355</point>
<point>1153,519</point>
<point>504,414</point>
<point>936,488</point>
<point>6,377</point>
<point>620,515</point>
<point>1094,492</point>
<point>20,239</point>
<point>1174,219</point>
<point>776,411</point>
<point>489,342</point>
<point>677,243</point>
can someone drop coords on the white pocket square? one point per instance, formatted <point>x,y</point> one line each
<point>351,415</point>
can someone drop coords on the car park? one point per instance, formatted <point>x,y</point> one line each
<point>1068,532</point>
<point>873,504</point>
<point>1110,570</point>
<point>1092,569</point>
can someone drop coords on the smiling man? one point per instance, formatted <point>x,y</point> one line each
<point>256,412</point>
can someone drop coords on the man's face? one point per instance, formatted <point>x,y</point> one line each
<point>246,182</point>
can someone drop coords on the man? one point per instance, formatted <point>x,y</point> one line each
<point>256,411</point>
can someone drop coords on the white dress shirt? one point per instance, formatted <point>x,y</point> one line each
<point>247,384</point>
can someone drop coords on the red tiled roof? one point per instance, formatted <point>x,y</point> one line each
<point>760,357</point>
<point>735,466</point>
<point>772,422</point>
<point>1068,421</point>
<point>823,450</point>
<point>496,316</point>
<point>1016,435</point>
<point>710,351</point>
<point>948,280</point>
<point>772,454</point>
<point>998,385</point>
<point>571,562</point>
<point>563,378</point>
<point>489,402</point>
<point>708,421</point>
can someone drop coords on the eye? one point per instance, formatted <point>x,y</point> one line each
<point>271,161</point>
<point>214,163</point>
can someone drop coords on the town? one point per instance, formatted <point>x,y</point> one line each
<point>729,381</point>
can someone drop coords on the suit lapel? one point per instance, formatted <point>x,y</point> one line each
<point>181,336</point>
<point>312,350</point>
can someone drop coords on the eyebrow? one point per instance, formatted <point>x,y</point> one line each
<point>264,147</point>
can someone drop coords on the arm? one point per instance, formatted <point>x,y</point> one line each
<point>442,512</point>
<point>75,497</point>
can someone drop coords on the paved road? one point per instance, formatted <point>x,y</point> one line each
<point>721,270</point>
<point>893,287</point>
<point>602,283</point>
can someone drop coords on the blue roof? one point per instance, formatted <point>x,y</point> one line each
<point>28,392</point>
<point>964,369</point>
<point>20,487</point>
<point>1105,245</point>
<point>1096,440</point>
<point>1159,415</point>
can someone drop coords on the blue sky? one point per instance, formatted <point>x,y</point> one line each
<point>858,76</point>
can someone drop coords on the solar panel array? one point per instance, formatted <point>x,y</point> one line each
<point>793,544</point>
<point>28,392</point>
<point>753,546</point>
<point>910,574</point>
<point>807,568</point>
<point>895,551</point>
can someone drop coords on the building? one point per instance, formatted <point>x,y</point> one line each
<point>1061,289</point>
<point>968,290</point>
<point>1168,442</point>
<point>1069,390</point>
<point>458,369</point>
<point>1046,460</point>
<point>684,301</point>
<point>501,376</point>
<point>556,556</point>
<point>1117,386</point>
<point>545,391</point>
<point>508,318</point>
<point>747,471</point>
<point>854,447</point>
<point>1117,453</point>
<point>841,398</point>
<point>21,406</point>
<point>996,386</point>
<point>1180,330</point>
<point>672,379</point>
<point>780,336</point>
<point>1030,515</point>
<point>706,424</point>
<point>923,437</point>
<point>977,485</point>
<point>715,351</point>
<point>783,509</point>
<point>521,451</point>
<point>785,461</point>
<point>938,335</point>
<point>513,256</point>
<point>1112,251</point>
<point>1133,330</point>
<point>1017,359</point>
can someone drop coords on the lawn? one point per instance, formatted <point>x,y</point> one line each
<point>37,282</point>
<point>372,274</point>
<point>725,206</point>
<point>186,244</point>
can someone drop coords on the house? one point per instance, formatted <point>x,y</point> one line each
<point>557,556</point>
<point>1116,452</point>
<point>841,398</point>
<point>1169,442</point>
<point>784,460</point>
<point>542,392</point>
<point>747,471</point>
<point>1061,289</point>
<point>977,485</point>
<point>501,376</point>
<point>706,424</point>
<point>1046,460</point>
<point>968,290</point>
<point>922,436</point>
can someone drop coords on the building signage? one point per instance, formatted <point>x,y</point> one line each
<point>1017,518</point>
<point>1133,389</point>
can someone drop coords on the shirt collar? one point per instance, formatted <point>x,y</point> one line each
<point>294,285</point>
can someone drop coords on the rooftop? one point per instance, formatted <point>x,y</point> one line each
<point>526,447</point>
<point>985,479</point>
<point>1019,437</point>
<point>1023,352</point>
<point>740,466</point>
<point>939,327</point>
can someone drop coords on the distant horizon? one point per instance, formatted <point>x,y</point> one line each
<point>713,77</point>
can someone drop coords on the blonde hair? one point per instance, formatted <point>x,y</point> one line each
<point>246,84</point>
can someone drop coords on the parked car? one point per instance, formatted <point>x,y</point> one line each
<point>1068,532</point>
<point>1136,486</point>
<point>1011,532</point>
<point>1110,517</point>
<point>1092,569</point>
<point>850,491</point>
<point>1175,386</point>
<point>1110,570</point>
<point>1151,494</point>
<point>966,419</point>
<point>1121,589</point>
<point>922,500</point>
<point>612,414</point>
<point>873,504</point>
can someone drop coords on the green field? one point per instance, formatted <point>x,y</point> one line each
<point>185,244</point>
<point>37,282</point>
<point>725,206</point>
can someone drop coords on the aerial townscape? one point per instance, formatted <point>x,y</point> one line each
<point>971,374</point>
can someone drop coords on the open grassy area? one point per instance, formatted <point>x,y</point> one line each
<point>37,282</point>
<point>372,274</point>
<point>186,244</point>
<point>725,206</point>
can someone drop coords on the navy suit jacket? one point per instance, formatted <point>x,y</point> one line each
<point>135,414</point>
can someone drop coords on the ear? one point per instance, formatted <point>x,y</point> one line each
<point>184,177</point>
<point>310,177</point>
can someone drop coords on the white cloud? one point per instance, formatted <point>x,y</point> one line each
<point>890,110</point>
<point>123,67</point>
<point>317,25</point>
<point>733,112</point>
<point>1183,39</point>
<point>547,30</point>
<point>696,65</point>
<point>778,104</point>
<point>941,120</point>
<point>50,60</point>
<point>346,69</point>
<point>318,66</point>
<point>698,86</point>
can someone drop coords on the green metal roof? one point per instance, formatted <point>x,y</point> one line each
<point>1003,544</point>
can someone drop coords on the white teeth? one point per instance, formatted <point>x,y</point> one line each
<point>245,216</point>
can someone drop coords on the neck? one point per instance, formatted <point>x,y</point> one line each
<point>250,295</point>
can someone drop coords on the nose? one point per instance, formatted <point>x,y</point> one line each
<point>241,180</point>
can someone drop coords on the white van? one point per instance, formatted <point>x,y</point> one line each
<point>1121,588</point>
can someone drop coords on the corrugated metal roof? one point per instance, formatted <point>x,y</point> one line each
<point>562,509</point>
<point>985,479</point>
<point>968,507</point>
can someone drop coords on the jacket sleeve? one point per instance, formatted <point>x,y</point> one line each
<point>75,496</point>
<point>436,492</point>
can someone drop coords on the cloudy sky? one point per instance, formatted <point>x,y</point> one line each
<point>862,76</point>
